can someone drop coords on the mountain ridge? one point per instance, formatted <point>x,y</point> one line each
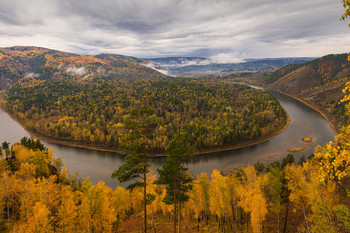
<point>42,63</point>
<point>194,65</point>
<point>318,82</point>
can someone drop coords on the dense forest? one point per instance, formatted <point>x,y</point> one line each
<point>96,111</point>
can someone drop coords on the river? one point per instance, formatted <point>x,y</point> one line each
<point>304,121</point>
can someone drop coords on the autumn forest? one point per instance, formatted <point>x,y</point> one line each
<point>96,111</point>
<point>203,151</point>
<point>173,116</point>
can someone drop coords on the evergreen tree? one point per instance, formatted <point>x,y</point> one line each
<point>135,169</point>
<point>174,174</point>
<point>6,148</point>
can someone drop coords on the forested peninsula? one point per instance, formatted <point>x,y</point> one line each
<point>94,112</point>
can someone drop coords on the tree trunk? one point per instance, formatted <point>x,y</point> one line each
<point>175,213</point>
<point>154,227</point>
<point>259,222</point>
<point>207,217</point>
<point>236,215</point>
<point>7,197</point>
<point>307,223</point>
<point>179,204</point>
<point>198,224</point>
<point>233,216</point>
<point>286,218</point>
<point>278,221</point>
<point>247,222</point>
<point>229,220</point>
<point>144,187</point>
<point>197,213</point>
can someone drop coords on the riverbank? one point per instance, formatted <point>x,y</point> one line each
<point>107,149</point>
<point>266,138</point>
<point>316,108</point>
<point>335,129</point>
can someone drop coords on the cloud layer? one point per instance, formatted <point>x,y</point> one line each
<point>222,29</point>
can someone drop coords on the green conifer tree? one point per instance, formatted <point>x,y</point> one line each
<point>174,174</point>
<point>141,126</point>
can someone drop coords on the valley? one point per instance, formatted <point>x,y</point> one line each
<point>318,83</point>
<point>98,165</point>
<point>93,110</point>
<point>87,114</point>
<point>174,116</point>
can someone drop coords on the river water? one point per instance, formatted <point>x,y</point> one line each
<point>99,165</point>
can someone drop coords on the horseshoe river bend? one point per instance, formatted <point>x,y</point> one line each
<point>99,165</point>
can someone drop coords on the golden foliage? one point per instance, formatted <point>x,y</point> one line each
<point>252,197</point>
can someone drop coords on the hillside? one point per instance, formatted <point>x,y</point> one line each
<point>296,78</point>
<point>318,82</point>
<point>200,65</point>
<point>179,61</point>
<point>41,63</point>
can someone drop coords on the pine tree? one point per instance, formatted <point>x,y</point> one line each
<point>6,148</point>
<point>174,174</point>
<point>141,126</point>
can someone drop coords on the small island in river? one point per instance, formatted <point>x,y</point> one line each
<point>307,139</point>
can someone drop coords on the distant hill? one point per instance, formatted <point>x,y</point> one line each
<point>119,58</point>
<point>318,82</point>
<point>41,63</point>
<point>195,65</point>
<point>179,61</point>
<point>299,77</point>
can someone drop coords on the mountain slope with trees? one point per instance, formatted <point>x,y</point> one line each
<point>318,82</point>
<point>41,63</point>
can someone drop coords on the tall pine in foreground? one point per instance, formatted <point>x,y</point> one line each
<point>174,174</point>
<point>141,126</point>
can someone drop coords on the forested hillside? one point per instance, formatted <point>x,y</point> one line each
<point>298,77</point>
<point>41,63</point>
<point>318,82</point>
<point>96,111</point>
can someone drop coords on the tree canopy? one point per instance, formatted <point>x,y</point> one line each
<point>96,112</point>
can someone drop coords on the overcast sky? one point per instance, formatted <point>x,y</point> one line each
<point>224,30</point>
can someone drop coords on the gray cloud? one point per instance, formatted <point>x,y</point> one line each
<point>221,29</point>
